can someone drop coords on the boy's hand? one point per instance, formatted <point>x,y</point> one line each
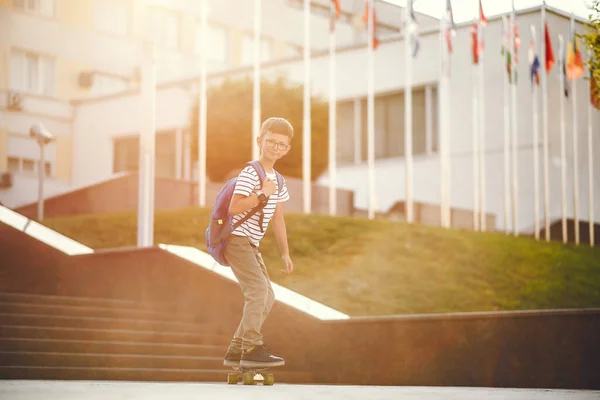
<point>268,187</point>
<point>289,265</point>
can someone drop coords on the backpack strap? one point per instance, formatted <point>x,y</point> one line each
<point>253,211</point>
<point>259,171</point>
<point>262,175</point>
<point>279,183</point>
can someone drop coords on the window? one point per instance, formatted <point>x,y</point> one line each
<point>127,154</point>
<point>31,73</point>
<point>43,7</point>
<point>218,43</point>
<point>389,126</point>
<point>163,27</point>
<point>111,16</point>
<point>14,164</point>
<point>104,85</point>
<point>27,166</point>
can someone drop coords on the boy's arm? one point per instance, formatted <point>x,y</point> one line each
<point>281,237</point>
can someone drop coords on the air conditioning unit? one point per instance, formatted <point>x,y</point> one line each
<point>15,101</point>
<point>6,180</point>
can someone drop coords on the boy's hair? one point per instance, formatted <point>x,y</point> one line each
<point>277,125</point>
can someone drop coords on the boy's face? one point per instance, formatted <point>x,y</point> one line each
<point>274,145</point>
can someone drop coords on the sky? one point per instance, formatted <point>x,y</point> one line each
<point>466,10</point>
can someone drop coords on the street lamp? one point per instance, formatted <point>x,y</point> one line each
<point>43,137</point>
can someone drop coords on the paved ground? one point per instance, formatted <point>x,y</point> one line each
<point>95,390</point>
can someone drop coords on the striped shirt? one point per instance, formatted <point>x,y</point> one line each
<point>247,183</point>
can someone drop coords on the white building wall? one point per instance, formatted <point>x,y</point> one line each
<point>97,123</point>
<point>112,54</point>
<point>426,169</point>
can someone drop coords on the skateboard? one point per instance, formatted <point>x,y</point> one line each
<point>250,376</point>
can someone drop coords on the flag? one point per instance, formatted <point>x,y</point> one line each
<point>574,61</point>
<point>482,17</point>
<point>336,11</point>
<point>534,61</point>
<point>506,50</point>
<point>535,66</point>
<point>337,8</point>
<point>475,43</point>
<point>483,22</point>
<point>366,21</point>
<point>511,38</point>
<point>517,40</point>
<point>412,29</point>
<point>450,25</point>
<point>548,49</point>
<point>563,62</point>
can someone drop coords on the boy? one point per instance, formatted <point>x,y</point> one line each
<point>247,348</point>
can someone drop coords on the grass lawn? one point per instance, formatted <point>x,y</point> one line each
<point>364,267</point>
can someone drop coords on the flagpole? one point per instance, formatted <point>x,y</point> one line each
<point>563,157</point>
<point>202,119</point>
<point>507,208</point>
<point>475,144</point>
<point>145,233</point>
<point>515,184</point>
<point>482,169</point>
<point>408,139</point>
<point>444,121</point>
<point>256,91</point>
<point>306,131</point>
<point>575,147</point>
<point>441,126</point>
<point>370,111</point>
<point>590,167</point>
<point>332,114</point>
<point>536,183</point>
<point>545,128</point>
<point>448,133</point>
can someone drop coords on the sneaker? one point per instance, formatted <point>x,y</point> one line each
<point>260,357</point>
<point>232,357</point>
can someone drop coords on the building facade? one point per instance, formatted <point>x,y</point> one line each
<point>74,65</point>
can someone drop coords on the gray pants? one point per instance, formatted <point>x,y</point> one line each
<point>249,268</point>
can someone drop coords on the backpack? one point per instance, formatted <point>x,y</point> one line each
<point>220,226</point>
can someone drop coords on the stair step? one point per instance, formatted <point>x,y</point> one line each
<point>140,374</point>
<point>92,360</point>
<point>111,347</point>
<point>100,323</point>
<point>67,300</point>
<point>116,311</point>
<point>47,332</point>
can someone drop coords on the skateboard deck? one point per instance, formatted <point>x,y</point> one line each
<point>251,376</point>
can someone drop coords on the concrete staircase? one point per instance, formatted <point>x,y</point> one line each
<point>64,337</point>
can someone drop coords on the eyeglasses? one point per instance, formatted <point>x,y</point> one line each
<point>280,145</point>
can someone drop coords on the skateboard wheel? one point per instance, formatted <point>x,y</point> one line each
<point>269,380</point>
<point>232,378</point>
<point>248,378</point>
